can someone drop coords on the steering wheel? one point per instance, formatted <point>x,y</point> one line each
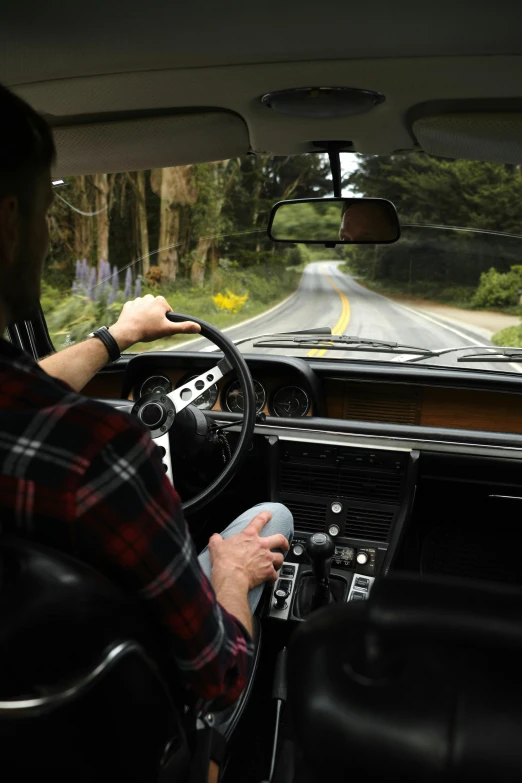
<point>158,410</point>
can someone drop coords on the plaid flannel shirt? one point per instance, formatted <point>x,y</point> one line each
<point>84,478</point>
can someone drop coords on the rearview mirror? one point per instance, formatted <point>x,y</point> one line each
<point>334,221</point>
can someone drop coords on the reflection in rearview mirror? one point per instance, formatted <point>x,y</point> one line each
<point>334,221</point>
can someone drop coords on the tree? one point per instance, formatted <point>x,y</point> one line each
<point>175,186</point>
<point>213,181</point>
<point>441,192</point>
<point>101,184</point>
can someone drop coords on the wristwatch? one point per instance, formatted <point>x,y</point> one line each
<point>109,342</point>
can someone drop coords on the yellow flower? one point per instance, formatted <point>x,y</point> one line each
<point>230,302</point>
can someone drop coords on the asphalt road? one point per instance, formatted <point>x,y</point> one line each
<point>327,297</point>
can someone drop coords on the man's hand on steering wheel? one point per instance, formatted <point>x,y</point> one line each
<point>143,321</point>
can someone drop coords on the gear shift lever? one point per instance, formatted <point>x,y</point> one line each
<point>320,549</point>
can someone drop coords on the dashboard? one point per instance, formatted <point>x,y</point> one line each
<point>405,467</point>
<point>371,393</point>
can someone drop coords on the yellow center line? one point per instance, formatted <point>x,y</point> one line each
<point>344,319</point>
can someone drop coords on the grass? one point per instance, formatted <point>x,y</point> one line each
<point>222,320</point>
<point>511,336</point>
<point>245,292</point>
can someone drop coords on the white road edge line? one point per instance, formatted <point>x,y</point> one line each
<point>515,367</point>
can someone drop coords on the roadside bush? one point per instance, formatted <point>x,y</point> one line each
<point>511,336</point>
<point>298,256</point>
<point>498,290</point>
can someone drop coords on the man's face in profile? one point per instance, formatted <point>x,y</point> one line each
<point>366,221</point>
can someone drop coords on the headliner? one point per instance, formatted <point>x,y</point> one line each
<point>80,63</point>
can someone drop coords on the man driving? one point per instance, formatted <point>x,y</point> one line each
<point>80,476</point>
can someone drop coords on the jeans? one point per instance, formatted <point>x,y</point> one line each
<point>281,522</point>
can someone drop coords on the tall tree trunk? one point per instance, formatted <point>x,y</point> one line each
<point>199,259</point>
<point>142,218</point>
<point>222,179</point>
<point>174,186</point>
<point>82,223</point>
<point>101,183</point>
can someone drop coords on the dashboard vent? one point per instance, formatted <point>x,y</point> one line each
<point>339,482</point>
<point>368,524</point>
<point>308,517</point>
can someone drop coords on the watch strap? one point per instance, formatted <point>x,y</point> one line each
<point>109,342</point>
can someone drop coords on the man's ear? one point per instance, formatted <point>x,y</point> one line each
<point>10,228</point>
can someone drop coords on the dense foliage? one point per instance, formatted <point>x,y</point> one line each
<point>430,192</point>
<point>196,234</point>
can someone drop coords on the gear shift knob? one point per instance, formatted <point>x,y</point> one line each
<point>320,549</point>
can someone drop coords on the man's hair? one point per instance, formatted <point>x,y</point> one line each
<point>346,206</point>
<point>26,147</point>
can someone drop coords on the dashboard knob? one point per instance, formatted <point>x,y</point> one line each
<point>280,599</point>
<point>298,550</point>
<point>362,558</point>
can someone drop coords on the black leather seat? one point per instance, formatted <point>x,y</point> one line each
<point>81,694</point>
<point>421,683</point>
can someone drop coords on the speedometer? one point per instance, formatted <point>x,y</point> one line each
<point>290,402</point>
<point>155,382</point>
<point>206,400</point>
<point>234,399</point>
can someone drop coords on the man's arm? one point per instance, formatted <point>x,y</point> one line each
<point>129,525</point>
<point>142,320</point>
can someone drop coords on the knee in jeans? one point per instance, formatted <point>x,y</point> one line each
<point>284,516</point>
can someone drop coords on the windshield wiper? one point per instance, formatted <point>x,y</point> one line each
<point>323,338</point>
<point>506,354</point>
<point>486,354</point>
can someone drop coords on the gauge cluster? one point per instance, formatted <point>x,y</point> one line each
<point>284,401</point>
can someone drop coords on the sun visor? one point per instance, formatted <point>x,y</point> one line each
<point>495,137</point>
<point>153,142</point>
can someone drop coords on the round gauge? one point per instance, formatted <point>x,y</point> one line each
<point>290,402</point>
<point>155,382</point>
<point>207,399</point>
<point>234,398</point>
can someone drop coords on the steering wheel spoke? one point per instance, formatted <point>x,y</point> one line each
<point>190,391</point>
<point>163,444</point>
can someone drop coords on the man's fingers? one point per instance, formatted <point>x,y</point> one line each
<point>277,541</point>
<point>213,542</point>
<point>272,577</point>
<point>278,560</point>
<point>258,522</point>
<point>188,327</point>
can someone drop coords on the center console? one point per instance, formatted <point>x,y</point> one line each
<point>356,498</point>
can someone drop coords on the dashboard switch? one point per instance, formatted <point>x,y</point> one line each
<point>336,507</point>
<point>362,558</point>
<point>280,599</point>
<point>298,550</point>
<point>333,530</point>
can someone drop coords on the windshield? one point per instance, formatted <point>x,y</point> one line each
<point>197,235</point>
